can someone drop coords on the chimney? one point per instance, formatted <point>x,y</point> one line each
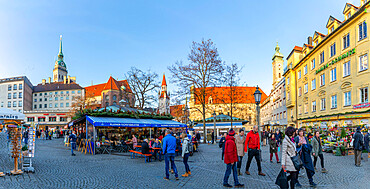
<point>69,79</point>
<point>43,81</point>
<point>64,79</point>
<point>309,40</point>
<point>49,79</point>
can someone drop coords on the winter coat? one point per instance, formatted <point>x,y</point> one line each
<point>316,147</point>
<point>169,144</point>
<point>366,140</point>
<point>145,148</point>
<point>240,141</point>
<point>305,153</point>
<point>185,146</point>
<point>288,151</point>
<point>358,142</point>
<point>231,155</point>
<point>252,141</point>
<point>273,146</point>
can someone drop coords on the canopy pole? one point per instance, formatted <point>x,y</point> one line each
<point>150,132</point>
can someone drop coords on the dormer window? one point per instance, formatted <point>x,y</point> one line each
<point>349,15</point>
<point>331,29</point>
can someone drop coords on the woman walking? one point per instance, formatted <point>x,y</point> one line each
<point>304,149</point>
<point>273,148</point>
<point>317,151</point>
<point>185,154</point>
<point>288,151</point>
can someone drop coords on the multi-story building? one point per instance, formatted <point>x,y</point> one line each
<point>111,93</point>
<point>52,101</point>
<point>266,112</point>
<point>164,98</point>
<point>327,81</point>
<point>16,93</point>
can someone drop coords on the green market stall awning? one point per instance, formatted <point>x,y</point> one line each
<point>131,122</point>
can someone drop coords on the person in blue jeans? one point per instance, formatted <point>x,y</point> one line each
<point>169,150</point>
<point>72,140</point>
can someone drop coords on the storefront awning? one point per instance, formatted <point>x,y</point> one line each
<point>131,122</point>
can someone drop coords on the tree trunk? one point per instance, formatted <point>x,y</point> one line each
<point>204,124</point>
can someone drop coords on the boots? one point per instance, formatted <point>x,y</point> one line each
<point>185,175</point>
<point>189,173</point>
<point>239,173</point>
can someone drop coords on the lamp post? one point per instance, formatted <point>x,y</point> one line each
<point>214,126</point>
<point>257,98</point>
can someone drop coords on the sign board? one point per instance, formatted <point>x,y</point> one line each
<point>31,141</point>
<point>363,105</point>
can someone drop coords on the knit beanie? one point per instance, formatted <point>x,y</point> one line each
<point>231,132</point>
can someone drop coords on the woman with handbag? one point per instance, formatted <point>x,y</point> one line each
<point>273,148</point>
<point>304,149</point>
<point>289,151</point>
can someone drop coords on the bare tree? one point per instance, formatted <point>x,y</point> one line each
<point>203,70</point>
<point>80,103</point>
<point>143,84</point>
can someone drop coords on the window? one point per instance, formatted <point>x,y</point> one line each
<point>362,31</point>
<point>50,99</point>
<point>61,92</point>
<point>61,105</point>
<point>62,119</point>
<point>322,57</point>
<point>67,104</point>
<point>52,119</point>
<point>313,106</point>
<point>9,95</point>
<point>20,104</point>
<point>333,74</point>
<point>300,91</point>
<point>41,119</point>
<point>56,93</point>
<point>45,105</point>
<point>114,103</point>
<point>45,99</point>
<point>299,74</point>
<point>313,64</point>
<point>61,98</point>
<point>334,101</point>
<point>45,94</point>
<point>2,104</point>
<point>305,88</point>
<point>332,50</point>
<point>73,92</point>
<point>15,87</point>
<point>347,98</point>
<point>40,94</point>
<point>79,92</point>
<point>35,94</point>
<point>30,119</point>
<point>331,29</point>
<point>346,41</point>
<point>313,84</point>
<point>300,109</point>
<point>40,105</point>
<point>56,105</point>
<point>9,87</point>
<point>363,62</point>
<point>67,97</point>
<point>347,69</point>
<point>9,104</point>
<point>40,100</point>
<point>305,108</point>
<point>20,95</point>
<point>50,105</point>
<point>50,93</point>
<point>323,104</point>
<point>35,100</point>
<point>114,97</point>
<point>14,95</point>
<point>14,103</point>
<point>288,80</point>
<point>322,80</point>
<point>56,98</point>
<point>305,69</point>
<point>67,92</point>
<point>20,86</point>
<point>35,106</point>
<point>288,96</point>
<point>364,95</point>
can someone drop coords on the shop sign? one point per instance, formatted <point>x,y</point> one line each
<point>364,121</point>
<point>348,122</point>
<point>363,105</point>
<point>334,123</point>
<point>343,56</point>
<point>354,116</point>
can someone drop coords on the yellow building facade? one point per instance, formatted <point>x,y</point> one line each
<point>328,79</point>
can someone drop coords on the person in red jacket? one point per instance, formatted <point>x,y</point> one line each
<point>252,146</point>
<point>231,157</point>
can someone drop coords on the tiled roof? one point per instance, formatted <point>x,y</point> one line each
<point>220,95</point>
<point>111,84</point>
<point>56,86</point>
<point>297,48</point>
<point>95,90</point>
<point>320,34</point>
<point>177,110</point>
<point>164,80</point>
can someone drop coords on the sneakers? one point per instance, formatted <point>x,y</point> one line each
<point>228,185</point>
<point>262,174</point>
<point>239,185</point>
<point>189,173</point>
<point>278,161</point>
<point>323,170</point>
<point>270,161</point>
<point>247,172</point>
<point>73,154</point>
<point>185,175</point>
<point>165,178</point>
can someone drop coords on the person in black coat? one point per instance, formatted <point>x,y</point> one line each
<point>358,145</point>
<point>366,140</point>
<point>145,147</point>
<point>222,145</point>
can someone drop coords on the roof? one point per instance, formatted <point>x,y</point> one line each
<point>115,108</point>
<point>242,95</point>
<point>95,90</point>
<point>318,33</point>
<point>56,86</point>
<point>223,117</point>
<point>332,19</point>
<point>296,48</point>
<point>131,122</point>
<point>349,5</point>
<point>111,84</point>
<point>164,80</point>
<point>177,110</point>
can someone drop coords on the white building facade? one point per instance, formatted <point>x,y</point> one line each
<point>16,93</point>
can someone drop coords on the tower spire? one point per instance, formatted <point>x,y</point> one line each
<point>60,47</point>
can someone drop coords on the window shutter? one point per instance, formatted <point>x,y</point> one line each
<point>360,31</point>
<point>365,29</point>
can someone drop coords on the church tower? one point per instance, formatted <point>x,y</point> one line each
<point>60,69</point>
<point>277,66</point>
<point>164,98</point>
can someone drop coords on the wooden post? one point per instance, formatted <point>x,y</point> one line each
<point>16,149</point>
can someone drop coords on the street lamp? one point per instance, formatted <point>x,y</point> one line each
<point>214,126</point>
<point>257,98</point>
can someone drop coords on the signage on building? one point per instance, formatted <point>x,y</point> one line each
<point>343,56</point>
<point>363,105</point>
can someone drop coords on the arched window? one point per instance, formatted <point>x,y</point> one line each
<point>114,103</point>
<point>114,97</point>
<point>106,104</point>
<point>107,98</point>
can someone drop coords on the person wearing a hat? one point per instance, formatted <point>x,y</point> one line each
<point>358,145</point>
<point>231,157</point>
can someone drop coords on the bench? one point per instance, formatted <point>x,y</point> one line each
<point>134,153</point>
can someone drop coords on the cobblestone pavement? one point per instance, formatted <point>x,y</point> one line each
<point>56,168</point>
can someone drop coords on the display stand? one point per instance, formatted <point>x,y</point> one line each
<point>16,147</point>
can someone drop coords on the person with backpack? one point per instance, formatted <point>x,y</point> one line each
<point>222,145</point>
<point>186,145</point>
<point>358,144</point>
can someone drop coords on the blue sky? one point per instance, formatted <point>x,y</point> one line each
<point>103,38</point>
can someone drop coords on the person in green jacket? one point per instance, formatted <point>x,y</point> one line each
<point>317,151</point>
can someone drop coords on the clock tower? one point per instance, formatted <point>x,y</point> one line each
<point>60,69</point>
<point>277,66</point>
<point>164,98</point>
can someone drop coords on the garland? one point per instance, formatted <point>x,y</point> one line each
<point>120,114</point>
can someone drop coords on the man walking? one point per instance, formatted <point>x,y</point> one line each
<point>358,144</point>
<point>213,137</point>
<point>230,160</point>
<point>169,150</point>
<point>240,141</point>
<point>252,146</point>
<point>72,139</point>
